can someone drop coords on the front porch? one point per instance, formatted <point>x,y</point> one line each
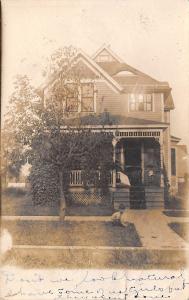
<point>136,181</point>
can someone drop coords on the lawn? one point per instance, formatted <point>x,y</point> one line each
<point>122,255</point>
<point>72,233</point>
<point>182,229</point>
<point>21,204</point>
<point>75,233</point>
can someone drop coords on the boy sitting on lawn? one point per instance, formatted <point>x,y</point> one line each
<point>116,217</point>
<point>119,218</point>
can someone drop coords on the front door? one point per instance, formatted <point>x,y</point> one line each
<point>133,169</point>
<point>133,162</point>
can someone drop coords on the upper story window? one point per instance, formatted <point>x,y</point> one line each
<point>140,102</point>
<point>81,98</point>
<point>87,97</point>
<point>72,103</point>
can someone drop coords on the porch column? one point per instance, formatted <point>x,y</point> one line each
<point>142,160</point>
<point>122,157</point>
<point>161,160</point>
<point>114,142</point>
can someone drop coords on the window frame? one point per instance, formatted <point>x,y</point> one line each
<point>88,97</point>
<point>103,58</point>
<point>79,98</point>
<point>135,100</point>
<point>72,97</point>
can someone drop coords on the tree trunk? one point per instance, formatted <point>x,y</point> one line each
<point>62,212</point>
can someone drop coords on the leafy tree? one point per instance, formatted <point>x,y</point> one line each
<point>42,123</point>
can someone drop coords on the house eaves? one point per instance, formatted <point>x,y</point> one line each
<point>93,64</point>
<point>175,139</point>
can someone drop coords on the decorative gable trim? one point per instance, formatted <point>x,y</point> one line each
<point>82,56</point>
<point>101,71</point>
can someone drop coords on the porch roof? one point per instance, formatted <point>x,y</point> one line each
<point>106,119</point>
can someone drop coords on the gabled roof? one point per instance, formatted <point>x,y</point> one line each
<point>113,67</point>
<point>101,70</point>
<point>91,63</point>
<point>107,48</point>
<point>135,80</point>
<point>130,81</point>
<point>132,76</point>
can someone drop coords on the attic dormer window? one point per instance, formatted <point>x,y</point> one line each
<point>104,56</point>
<point>140,102</point>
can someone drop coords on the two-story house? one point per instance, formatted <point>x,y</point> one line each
<point>136,109</point>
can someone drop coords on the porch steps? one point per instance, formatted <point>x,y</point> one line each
<point>137,197</point>
<point>154,197</point>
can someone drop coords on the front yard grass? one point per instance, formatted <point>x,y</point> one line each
<point>14,204</point>
<point>77,233</point>
<point>22,205</point>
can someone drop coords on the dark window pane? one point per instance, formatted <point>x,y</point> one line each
<point>173,161</point>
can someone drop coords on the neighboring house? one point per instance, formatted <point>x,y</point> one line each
<point>136,108</point>
<point>179,166</point>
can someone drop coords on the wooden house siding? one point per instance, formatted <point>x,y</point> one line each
<point>154,115</point>
<point>118,104</point>
<point>109,100</point>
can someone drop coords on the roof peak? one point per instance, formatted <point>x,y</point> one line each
<point>107,47</point>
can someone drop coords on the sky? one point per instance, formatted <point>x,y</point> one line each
<point>150,35</point>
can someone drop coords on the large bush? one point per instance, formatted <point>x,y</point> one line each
<point>92,154</point>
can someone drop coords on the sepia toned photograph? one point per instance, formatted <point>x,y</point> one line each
<point>95,149</point>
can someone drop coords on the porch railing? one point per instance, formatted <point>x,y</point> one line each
<point>76,178</point>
